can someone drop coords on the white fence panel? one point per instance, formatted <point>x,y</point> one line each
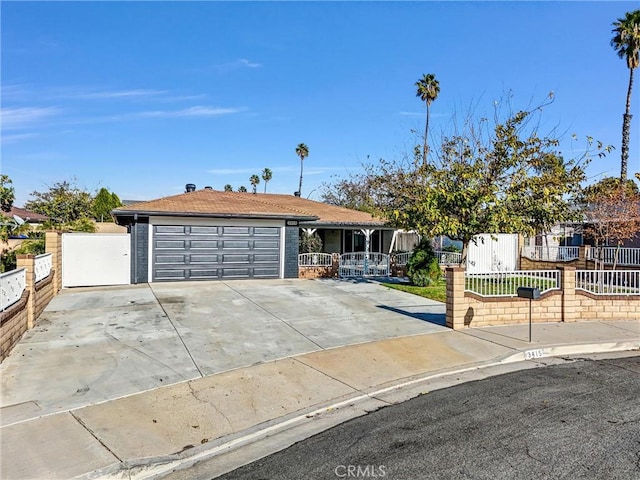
<point>609,282</point>
<point>361,264</point>
<point>626,256</point>
<point>497,254</point>
<point>43,266</point>
<point>315,260</point>
<point>12,284</point>
<point>93,259</point>
<point>505,284</point>
<point>551,254</point>
<point>448,258</point>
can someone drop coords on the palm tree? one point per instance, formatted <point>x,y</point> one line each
<point>302,151</point>
<point>242,189</point>
<point>626,41</point>
<point>267,175</point>
<point>254,180</point>
<point>428,90</point>
<point>228,188</point>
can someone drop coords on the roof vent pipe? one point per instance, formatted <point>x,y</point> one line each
<point>190,187</point>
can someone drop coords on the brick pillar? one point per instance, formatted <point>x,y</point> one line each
<point>28,262</point>
<point>53,245</point>
<point>335,265</point>
<point>570,304</point>
<point>583,254</point>
<point>456,303</point>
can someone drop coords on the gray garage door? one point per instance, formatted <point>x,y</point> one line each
<point>209,253</point>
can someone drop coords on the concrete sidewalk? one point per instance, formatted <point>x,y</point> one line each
<point>151,434</point>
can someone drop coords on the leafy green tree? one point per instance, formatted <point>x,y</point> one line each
<point>103,203</point>
<point>356,192</point>
<point>428,89</point>
<point>309,243</point>
<point>422,267</point>
<point>303,152</point>
<point>228,188</point>
<point>242,189</point>
<point>254,180</point>
<point>7,193</point>
<point>626,42</point>
<point>63,202</point>
<point>267,175</point>
<point>492,178</point>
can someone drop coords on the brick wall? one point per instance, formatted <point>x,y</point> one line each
<point>22,315</point>
<point>465,309</point>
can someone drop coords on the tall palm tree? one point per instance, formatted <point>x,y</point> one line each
<point>428,89</point>
<point>228,188</point>
<point>626,41</point>
<point>267,175</point>
<point>302,151</point>
<point>254,180</point>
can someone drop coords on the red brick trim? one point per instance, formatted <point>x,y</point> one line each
<point>607,297</point>
<point>15,309</point>
<point>45,281</point>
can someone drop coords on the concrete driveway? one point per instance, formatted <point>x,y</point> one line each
<point>97,344</point>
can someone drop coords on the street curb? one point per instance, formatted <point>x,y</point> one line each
<point>158,467</point>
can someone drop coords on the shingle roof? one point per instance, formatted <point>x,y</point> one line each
<point>214,203</point>
<point>28,215</point>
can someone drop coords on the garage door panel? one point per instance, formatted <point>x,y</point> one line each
<point>168,229</point>
<point>263,258</point>
<point>203,252</point>
<point>174,244</point>
<point>170,259</point>
<point>193,244</point>
<point>204,230</point>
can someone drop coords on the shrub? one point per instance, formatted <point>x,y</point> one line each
<point>422,267</point>
<point>309,243</point>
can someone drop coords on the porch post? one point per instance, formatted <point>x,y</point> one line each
<point>367,246</point>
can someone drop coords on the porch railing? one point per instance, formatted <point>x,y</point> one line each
<point>43,265</point>
<point>12,284</point>
<point>607,255</point>
<point>448,258</point>
<point>609,282</point>
<point>505,284</point>
<point>551,254</point>
<point>362,264</point>
<point>402,258</point>
<point>315,260</point>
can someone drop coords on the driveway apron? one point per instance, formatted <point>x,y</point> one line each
<point>97,344</point>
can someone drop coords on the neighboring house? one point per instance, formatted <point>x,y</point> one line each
<point>209,234</point>
<point>32,218</point>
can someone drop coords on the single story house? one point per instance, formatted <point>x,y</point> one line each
<point>32,218</point>
<point>210,234</point>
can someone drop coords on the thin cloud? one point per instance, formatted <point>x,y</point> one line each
<point>118,94</point>
<point>411,114</point>
<point>234,65</point>
<point>231,171</point>
<point>13,118</point>
<point>196,111</point>
<point>7,139</point>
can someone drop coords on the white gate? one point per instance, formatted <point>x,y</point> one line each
<point>497,254</point>
<point>361,264</point>
<point>93,259</point>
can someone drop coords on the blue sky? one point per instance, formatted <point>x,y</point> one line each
<point>144,97</point>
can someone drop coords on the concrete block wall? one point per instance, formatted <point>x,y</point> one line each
<point>465,309</point>
<point>13,324</point>
<point>22,315</point>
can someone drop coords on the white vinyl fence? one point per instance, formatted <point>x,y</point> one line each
<point>493,253</point>
<point>609,282</point>
<point>551,254</point>
<point>607,255</point>
<point>12,284</point>
<point>505,284</point>
<point>43,266</point>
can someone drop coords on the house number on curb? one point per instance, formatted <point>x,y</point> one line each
<point>537,353</point>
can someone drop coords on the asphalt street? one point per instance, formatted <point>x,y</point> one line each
<point>579,420</point>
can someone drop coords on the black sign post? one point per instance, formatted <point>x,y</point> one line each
<point>531,294</point>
